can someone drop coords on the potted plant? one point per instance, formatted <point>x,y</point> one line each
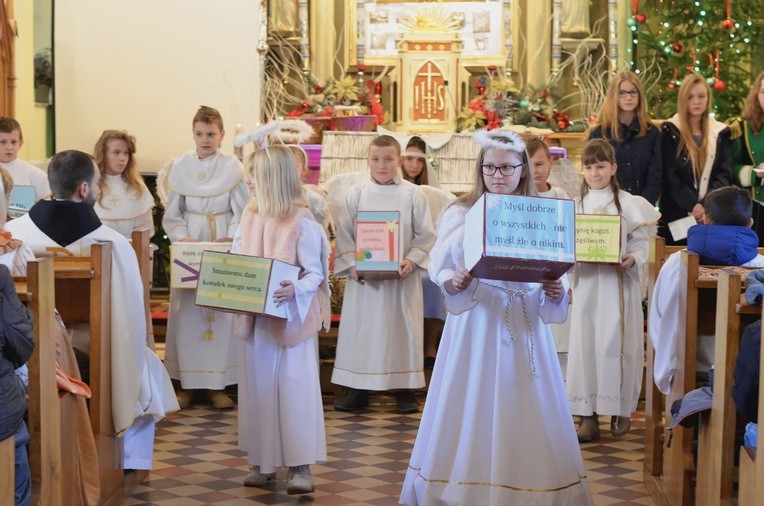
<point>43,74</point>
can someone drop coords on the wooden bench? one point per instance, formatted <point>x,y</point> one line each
<point>669,472</point>
<point>83,295</point>
<point>654,402</point>
<point>716,437</point>
<point>7,459</point>
<point>44,415</point>
<point>670,481</point>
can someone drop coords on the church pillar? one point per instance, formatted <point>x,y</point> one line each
<point>536,51</point>
<point>625,36</point>
<point>323,39</point>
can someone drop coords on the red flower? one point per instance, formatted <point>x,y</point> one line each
<point>328,112</point>
<point>492,121</point>
<point>476,105</point>
<point>299,110</point>
<point>377,110</point>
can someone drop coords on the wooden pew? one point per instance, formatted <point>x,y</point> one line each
<point>7,477</point>
<point>670,471</point>
<point>654,402</point>
<point>83,294</point>
<point>44,415</point>
<point>716,438</point>
<point>46,445</point>
<point>751,489</point>
<point>697,299</point>
<point>141,242</point>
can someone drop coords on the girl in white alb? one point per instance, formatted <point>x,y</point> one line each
<point>281,417</point>
<point>605,358</point>
<point>496,428</point>
<point>125,203</point>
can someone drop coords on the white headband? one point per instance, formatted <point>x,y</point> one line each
<point>414,154</point>
<point>286,131</point>
<point>489,140</point>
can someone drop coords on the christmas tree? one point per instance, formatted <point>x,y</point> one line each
<point>711,37</point>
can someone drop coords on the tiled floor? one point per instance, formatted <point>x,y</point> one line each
<point>197,462</point>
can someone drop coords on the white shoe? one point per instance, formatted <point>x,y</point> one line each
<point>255,478</point>
<point>299,480</point>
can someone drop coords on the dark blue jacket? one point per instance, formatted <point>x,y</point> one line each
<point>639,160</point>
<point>16,345</point>
<point>723,244</point>
<point>745,391</point>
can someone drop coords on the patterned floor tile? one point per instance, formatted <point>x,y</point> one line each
<point>197,461</point>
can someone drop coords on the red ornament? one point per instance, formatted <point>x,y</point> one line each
<point>480,89</point>
<point>719,85</point>
<point>728,24</point>
<point>378,88</point>
<point>671,86</point>
<point>641,18</point>
<point>677,47</point>
<point>562,124</point>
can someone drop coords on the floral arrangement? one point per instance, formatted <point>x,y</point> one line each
<point>326,98</point>
<point>500,104</point>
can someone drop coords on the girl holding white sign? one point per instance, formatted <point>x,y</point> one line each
<point>281,417</point>
<point>604,373</point>
<point>496,410</point>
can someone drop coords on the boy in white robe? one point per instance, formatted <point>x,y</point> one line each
<point>23,173</point>
<point>380,342</point>
<point>204,194</point>
<point>141,389</point>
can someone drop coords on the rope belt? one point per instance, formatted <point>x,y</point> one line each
<point>211,219</point>
<point>508,319</point>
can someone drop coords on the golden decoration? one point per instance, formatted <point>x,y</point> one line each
<point>430,19</point>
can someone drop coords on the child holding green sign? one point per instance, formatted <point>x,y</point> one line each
<point>605,355</point>
<point>281,417</point>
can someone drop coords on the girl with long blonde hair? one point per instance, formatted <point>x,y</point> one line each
<point>623,122</point>
<point>696,155</point>
<point>281,417</point>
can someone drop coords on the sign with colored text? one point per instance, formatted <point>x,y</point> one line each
<point>516,238</point>
<point>242,283</point>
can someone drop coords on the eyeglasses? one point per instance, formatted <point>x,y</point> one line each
<point>505,170</point>
<point>624,93</point>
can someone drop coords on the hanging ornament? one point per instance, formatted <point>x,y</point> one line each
<point>727,23</point>
<point>671,85</point>
<point>710,81</point>
<point>719,85</point>
<point>480,89</point>
<point>378,88</point>
<point>678,47</point>
<point>523,104</point>
<point>638,16</point>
